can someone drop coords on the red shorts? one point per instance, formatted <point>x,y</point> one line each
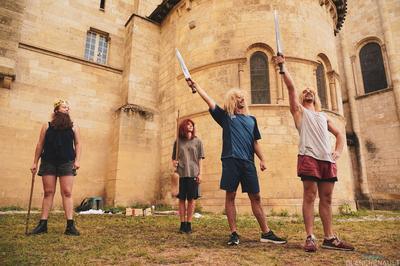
<point>309,168</point>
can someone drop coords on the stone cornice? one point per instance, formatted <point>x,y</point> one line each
<point>144,18</point>
<point>337,8</point>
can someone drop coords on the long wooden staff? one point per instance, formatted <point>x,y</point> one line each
<point>175,175</point>
<point>30,204</point>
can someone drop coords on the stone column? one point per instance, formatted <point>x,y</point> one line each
<point>240,75</point>
<point>394,65</point>
<point>349,80</point>
<point>332,90</point>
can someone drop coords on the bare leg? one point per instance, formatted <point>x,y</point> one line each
<point>309,194</point>
<point>49,188</point>
<point>258,211</point>
<point>230,210</point>
<point>182,210</point>
<point>325,190</point>
<point>66,183</point>
<point>190,210</point>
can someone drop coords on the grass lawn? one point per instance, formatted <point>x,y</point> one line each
<point>116,239</point>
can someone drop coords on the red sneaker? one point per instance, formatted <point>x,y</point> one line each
<point>310,245</point>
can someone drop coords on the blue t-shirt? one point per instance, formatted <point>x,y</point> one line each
<point>238,134</point>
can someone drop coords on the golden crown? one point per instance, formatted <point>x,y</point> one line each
<point>57,103</point>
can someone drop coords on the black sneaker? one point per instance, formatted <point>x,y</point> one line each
<point>233,239</point>
<point>272,238</point>
<point>336,243</point>
<point>41,228</point>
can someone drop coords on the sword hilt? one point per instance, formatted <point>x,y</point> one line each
<point>192,86</point>
<point>281,71</point>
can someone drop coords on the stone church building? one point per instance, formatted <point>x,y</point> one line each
<point>114,61</point>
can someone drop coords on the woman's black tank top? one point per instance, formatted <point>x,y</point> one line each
<point>58,145</point>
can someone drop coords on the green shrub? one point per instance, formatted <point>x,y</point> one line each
<point>346,210</point>
<point>284,213</point>
<point>11,208</point>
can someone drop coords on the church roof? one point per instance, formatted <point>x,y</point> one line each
<point>163,9</point>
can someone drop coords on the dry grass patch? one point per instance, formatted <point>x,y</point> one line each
<point>116,239</point>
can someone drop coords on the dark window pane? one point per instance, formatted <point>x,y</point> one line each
<point>321,85</point>
<point>102,4</point>
<point>372,68</point>
<point>259,78</point>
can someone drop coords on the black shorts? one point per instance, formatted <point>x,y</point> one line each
<point>188,188</point>
<point>63,169</point>
<point>318,180</point>
<point>235,171</point>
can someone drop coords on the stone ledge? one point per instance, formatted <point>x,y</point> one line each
<point>380,204</point>
<point>68,57</point>
<point>373,93</point>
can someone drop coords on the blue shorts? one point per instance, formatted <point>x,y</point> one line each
<point>235,171</point>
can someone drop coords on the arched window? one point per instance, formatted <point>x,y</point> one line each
<point>321,85</point>
<point>372,68</point>
<point>259,78</point>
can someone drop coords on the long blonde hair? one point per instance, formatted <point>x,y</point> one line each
<point>231,99</point>
<point>317,101</point>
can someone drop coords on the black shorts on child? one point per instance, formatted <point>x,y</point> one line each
<point>188,188</point>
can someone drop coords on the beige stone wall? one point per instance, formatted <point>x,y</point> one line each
<point>377,122</point>
<point>10,25</point>
<point>93,94</point>
<point>115,161</point>
<point>62,25</point>
<point>49,66</point>
<point>134,167</point>
<point>216,48</point>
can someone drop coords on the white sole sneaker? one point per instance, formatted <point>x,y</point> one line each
<point>272,241</point>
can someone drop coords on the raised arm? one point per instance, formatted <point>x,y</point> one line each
<point>339,140</point>
<point>210,102</point>
<point>295,105</point>
<point>39,148</point>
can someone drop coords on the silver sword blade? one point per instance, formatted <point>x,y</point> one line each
<point>182,64</point>
<point>279,47</point>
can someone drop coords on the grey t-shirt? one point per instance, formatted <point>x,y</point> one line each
<point>190,154</point>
